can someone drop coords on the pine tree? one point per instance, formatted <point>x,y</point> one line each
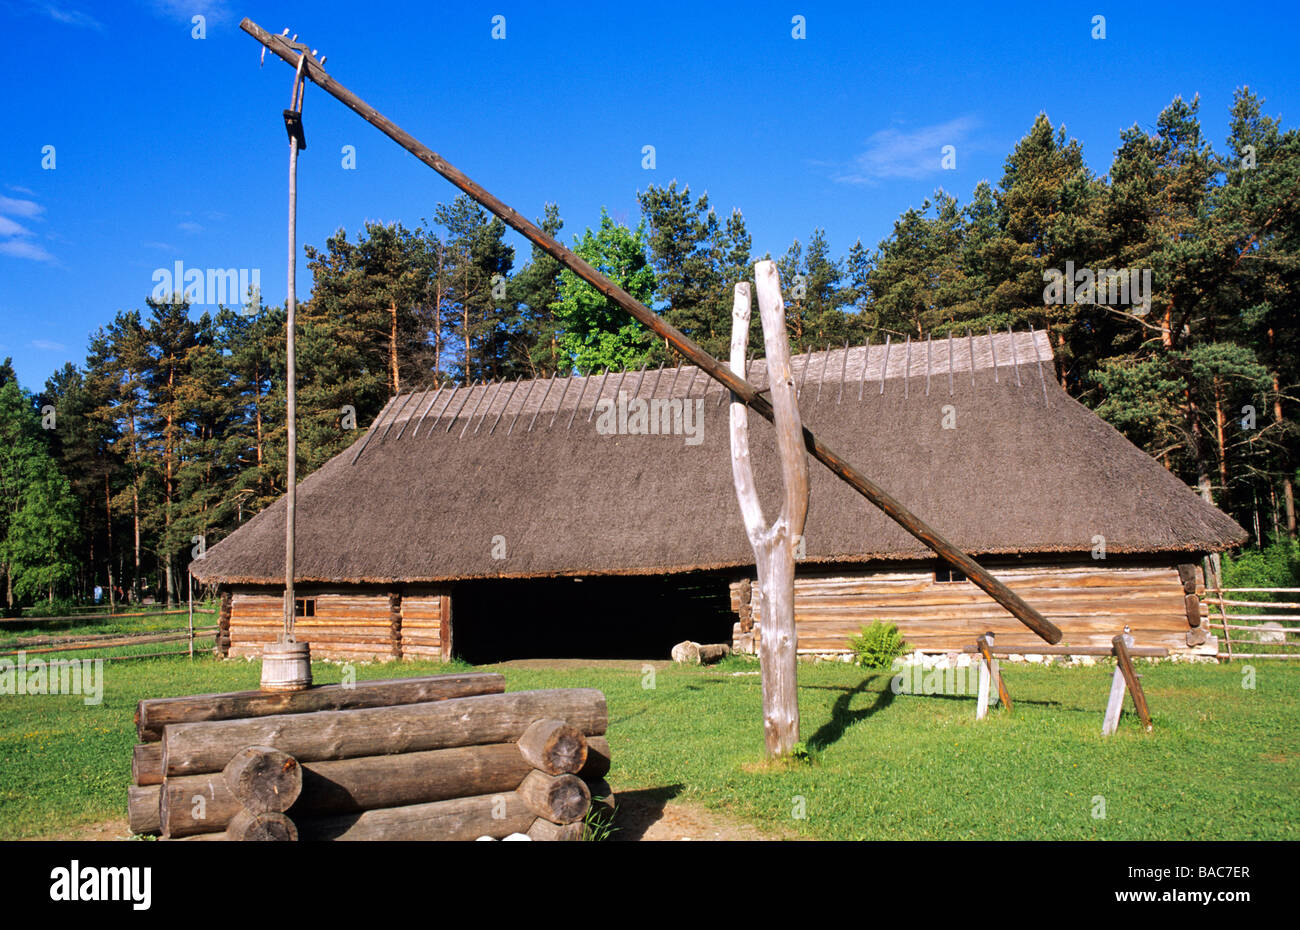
<point>688,249</point>
<point>535,289</point>
<point>478,313</point>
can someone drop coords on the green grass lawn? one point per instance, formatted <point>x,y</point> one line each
<point>1222,762</point>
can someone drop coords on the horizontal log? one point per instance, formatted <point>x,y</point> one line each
<point>195,748</point>
<point>557,798</point>
<point>546,832</point>
<point>263,827</point>
<point>262,779</point>
<point>357,784</point>
<point>220,836</point>
<point>195,804</point>
<point>142,809</point>
<point>885,600</point>
<point>974,626</point>
<point>554,747</point>
<point>243,647</point>
<point>1043,649</point>
<point>152,715</point>
<point>146,764</point>
<point>361,641</point>
<point>402,779</point>
<point>496,815</point>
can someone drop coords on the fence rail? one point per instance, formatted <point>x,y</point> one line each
<point>97,617</point>
<point>1250,614</point>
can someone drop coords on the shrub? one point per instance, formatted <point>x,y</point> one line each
<point>59,607</point>
<point>878,645</point>
<point>1275,566</point>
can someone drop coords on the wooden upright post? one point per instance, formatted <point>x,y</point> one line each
<point>1122,642</point>
<point>994,674</point>
<point>773,545</point>
<point>1124,677</point>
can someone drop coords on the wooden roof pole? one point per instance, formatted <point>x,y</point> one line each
<point>715,369</point>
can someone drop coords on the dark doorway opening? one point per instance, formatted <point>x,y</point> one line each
<point>591,618</point>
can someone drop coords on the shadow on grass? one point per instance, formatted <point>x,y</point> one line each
<point>842,717</point>
<point>637,811</point>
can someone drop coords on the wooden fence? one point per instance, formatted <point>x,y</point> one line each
<point>1267,629</point>
<point>189,634</point>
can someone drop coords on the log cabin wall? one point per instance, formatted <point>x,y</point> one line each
<point>425,635</point>
<point>359,623</point>
<point>1089,604</point>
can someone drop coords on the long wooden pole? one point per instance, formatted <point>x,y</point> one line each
<point>291,381</point>
<point>715,369</point>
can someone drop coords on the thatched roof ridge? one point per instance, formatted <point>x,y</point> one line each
<point>1022,469</point>
<point>529,404</point>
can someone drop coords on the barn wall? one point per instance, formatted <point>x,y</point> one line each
<point>1089,604</point>
<point>424,633</point>
<point>367,624</point>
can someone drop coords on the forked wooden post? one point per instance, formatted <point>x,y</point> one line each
<point>773,544</point>
<point>1124,676</point>
<point>989,671</point>
<point>989,674</point>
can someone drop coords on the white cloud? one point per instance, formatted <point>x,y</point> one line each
<point>190,227</point>
<point>48,346</point>
<point>70,17</point>
<point>913,154</point>
<point>19,248</point>
<point>9,228</point>
<point>14,240</point>
<point>11,207</point>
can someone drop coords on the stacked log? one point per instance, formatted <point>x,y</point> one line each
<point>448,757</point>
<point>152,716</point>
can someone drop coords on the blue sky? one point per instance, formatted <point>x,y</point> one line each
<point>171,148</point>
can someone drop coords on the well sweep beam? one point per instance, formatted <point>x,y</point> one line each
<point>718,371</point>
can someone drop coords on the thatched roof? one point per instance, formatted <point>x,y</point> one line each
<point>441,477</point>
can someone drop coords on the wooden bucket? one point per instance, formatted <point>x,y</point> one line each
<point>286,667</point>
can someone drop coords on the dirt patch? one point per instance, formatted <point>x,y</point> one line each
<point>650,814</point>
<point>107,830</point>
<point>565,665</point>
<point>642,815</point>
